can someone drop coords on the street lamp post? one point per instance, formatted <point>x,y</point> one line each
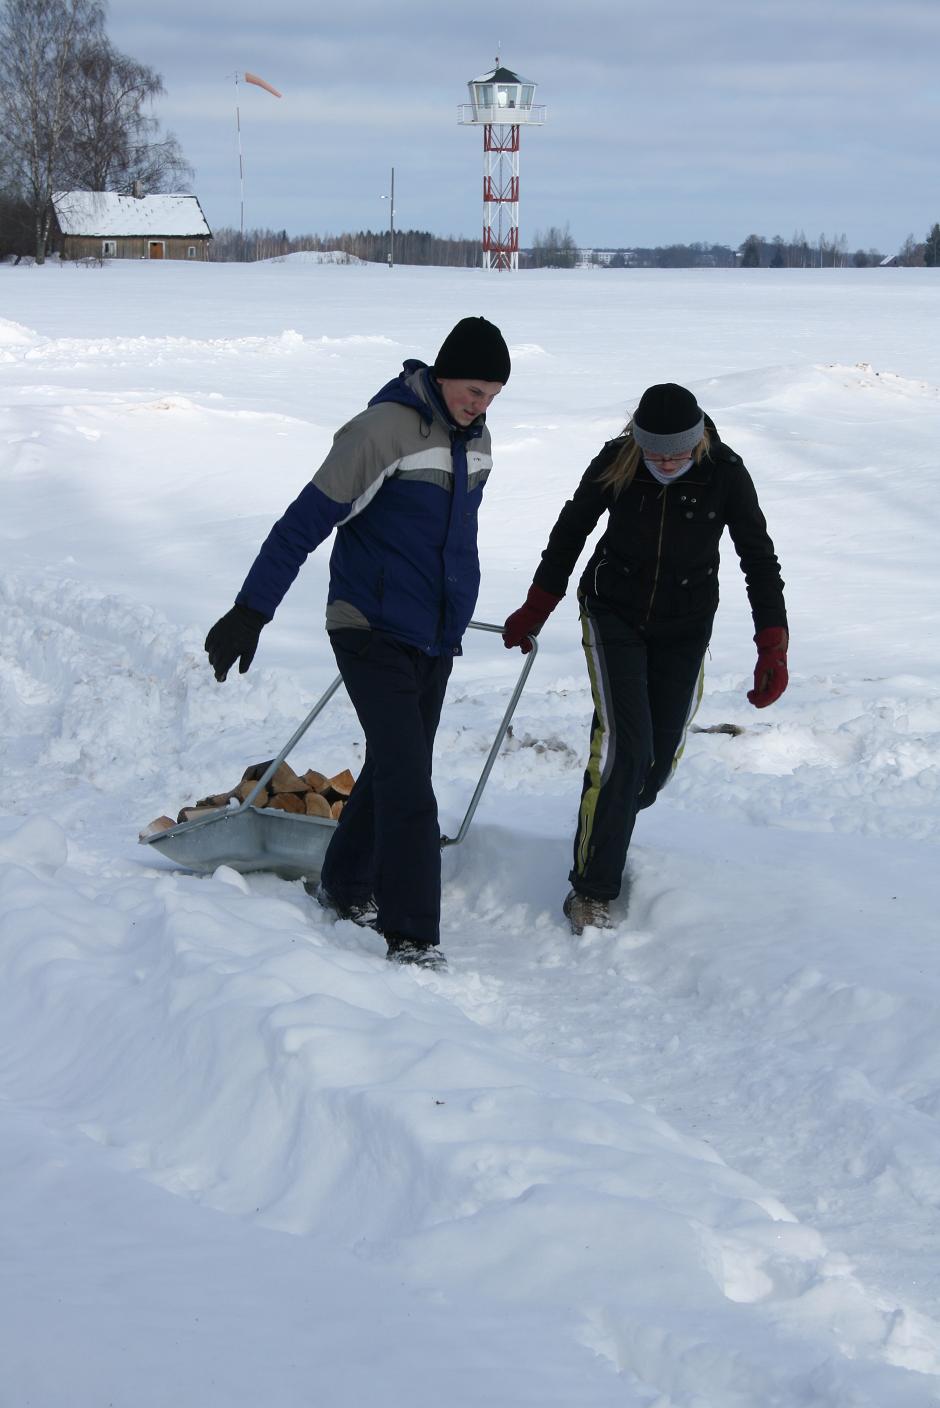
<point>391,221</point>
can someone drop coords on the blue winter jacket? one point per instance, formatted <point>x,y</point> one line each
<point>402,487</point>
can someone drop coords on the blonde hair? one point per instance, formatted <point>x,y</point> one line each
<point>620,472</point>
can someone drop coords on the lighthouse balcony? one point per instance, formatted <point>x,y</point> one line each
<point>471,115</point>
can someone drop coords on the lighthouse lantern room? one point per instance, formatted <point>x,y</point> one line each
<point>501,103</point>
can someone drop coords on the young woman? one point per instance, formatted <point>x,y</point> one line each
<point>648,599</point>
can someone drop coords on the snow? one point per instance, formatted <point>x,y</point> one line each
<point>111,214</point>
<point>317,256</point>
<point>693,1162</point>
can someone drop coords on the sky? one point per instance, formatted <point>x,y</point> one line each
<point>666,124</point>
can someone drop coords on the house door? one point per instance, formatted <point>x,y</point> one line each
<point>155,248</point>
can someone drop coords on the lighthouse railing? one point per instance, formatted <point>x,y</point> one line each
<point>532,116</point>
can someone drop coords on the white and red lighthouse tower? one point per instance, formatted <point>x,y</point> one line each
<point>501,103</point>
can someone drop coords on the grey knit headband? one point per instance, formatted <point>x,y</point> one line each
<point>676,442</point>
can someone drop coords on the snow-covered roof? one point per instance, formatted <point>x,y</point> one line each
<point>107,214</point>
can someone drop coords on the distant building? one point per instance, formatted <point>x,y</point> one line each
<point>104,225</point>
<point>890,261</point>
<point>616,258</point>
<point>603,258</point>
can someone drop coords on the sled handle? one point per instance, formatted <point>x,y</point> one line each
<point>294,739</point>
<point>500,733</point>
<point>331,689</point>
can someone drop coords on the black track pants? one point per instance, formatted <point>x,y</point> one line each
<point>388,842</point>
<point>646,687</point>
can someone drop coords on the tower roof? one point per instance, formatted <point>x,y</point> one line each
<point>500,75</point>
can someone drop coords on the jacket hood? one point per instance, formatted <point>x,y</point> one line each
<point>408,388</point>
<point>414,386</point>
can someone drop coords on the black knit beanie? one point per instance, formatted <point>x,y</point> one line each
<point>474,348</point>
<point>668,420</point>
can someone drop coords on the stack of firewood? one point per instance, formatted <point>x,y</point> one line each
<point>308,794</point>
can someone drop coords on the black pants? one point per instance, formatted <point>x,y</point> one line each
<point>388,843</point>
<point>646,686</point>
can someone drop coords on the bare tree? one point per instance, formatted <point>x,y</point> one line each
<point>72,110</point>
<point>556,249</point>
<point>911,253</point>
<point>799,254</point>
<point>39,40</point>
<point>115,143</point>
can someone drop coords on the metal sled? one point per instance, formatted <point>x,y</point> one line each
<point>257,838</point>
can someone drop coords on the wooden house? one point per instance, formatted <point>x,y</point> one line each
<point>104,225</point>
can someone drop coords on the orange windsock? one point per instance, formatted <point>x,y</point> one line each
<point>253,78</point>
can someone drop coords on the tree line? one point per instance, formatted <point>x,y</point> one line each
<point>927,252</point>
<point>698,255</point>
<point>373,246</point>
<point>759,252</point>
<point>555,248</point>
<point>74,115</point>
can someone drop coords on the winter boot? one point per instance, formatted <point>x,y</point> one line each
<point>365,914</point>
<point>585,912</point>
<point>401,949</point>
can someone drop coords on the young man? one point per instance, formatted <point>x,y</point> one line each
<point>402,486</point>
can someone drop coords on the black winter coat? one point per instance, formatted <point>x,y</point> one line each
<point>657,563</point>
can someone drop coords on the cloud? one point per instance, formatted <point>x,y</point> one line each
<point>679,121</point>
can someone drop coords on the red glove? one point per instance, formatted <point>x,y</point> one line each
<point>770,674</point>
<point>529,619</point>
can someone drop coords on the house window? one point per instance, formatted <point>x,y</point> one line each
<point>191,252</point>
<point>108,248</point>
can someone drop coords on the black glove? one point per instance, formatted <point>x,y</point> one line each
<point>234,637</point>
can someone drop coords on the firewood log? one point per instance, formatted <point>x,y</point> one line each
<point>286,780</point>
<point>243,790</point>
<point>256,770</point>
<point>196,813</point>
<point>316,805</point>
<point>286,802</point>
<point>218,799</point>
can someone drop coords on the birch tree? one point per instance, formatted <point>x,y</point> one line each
<point>115,141</point>
<point>73,111</point>
<point>39,41</point>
